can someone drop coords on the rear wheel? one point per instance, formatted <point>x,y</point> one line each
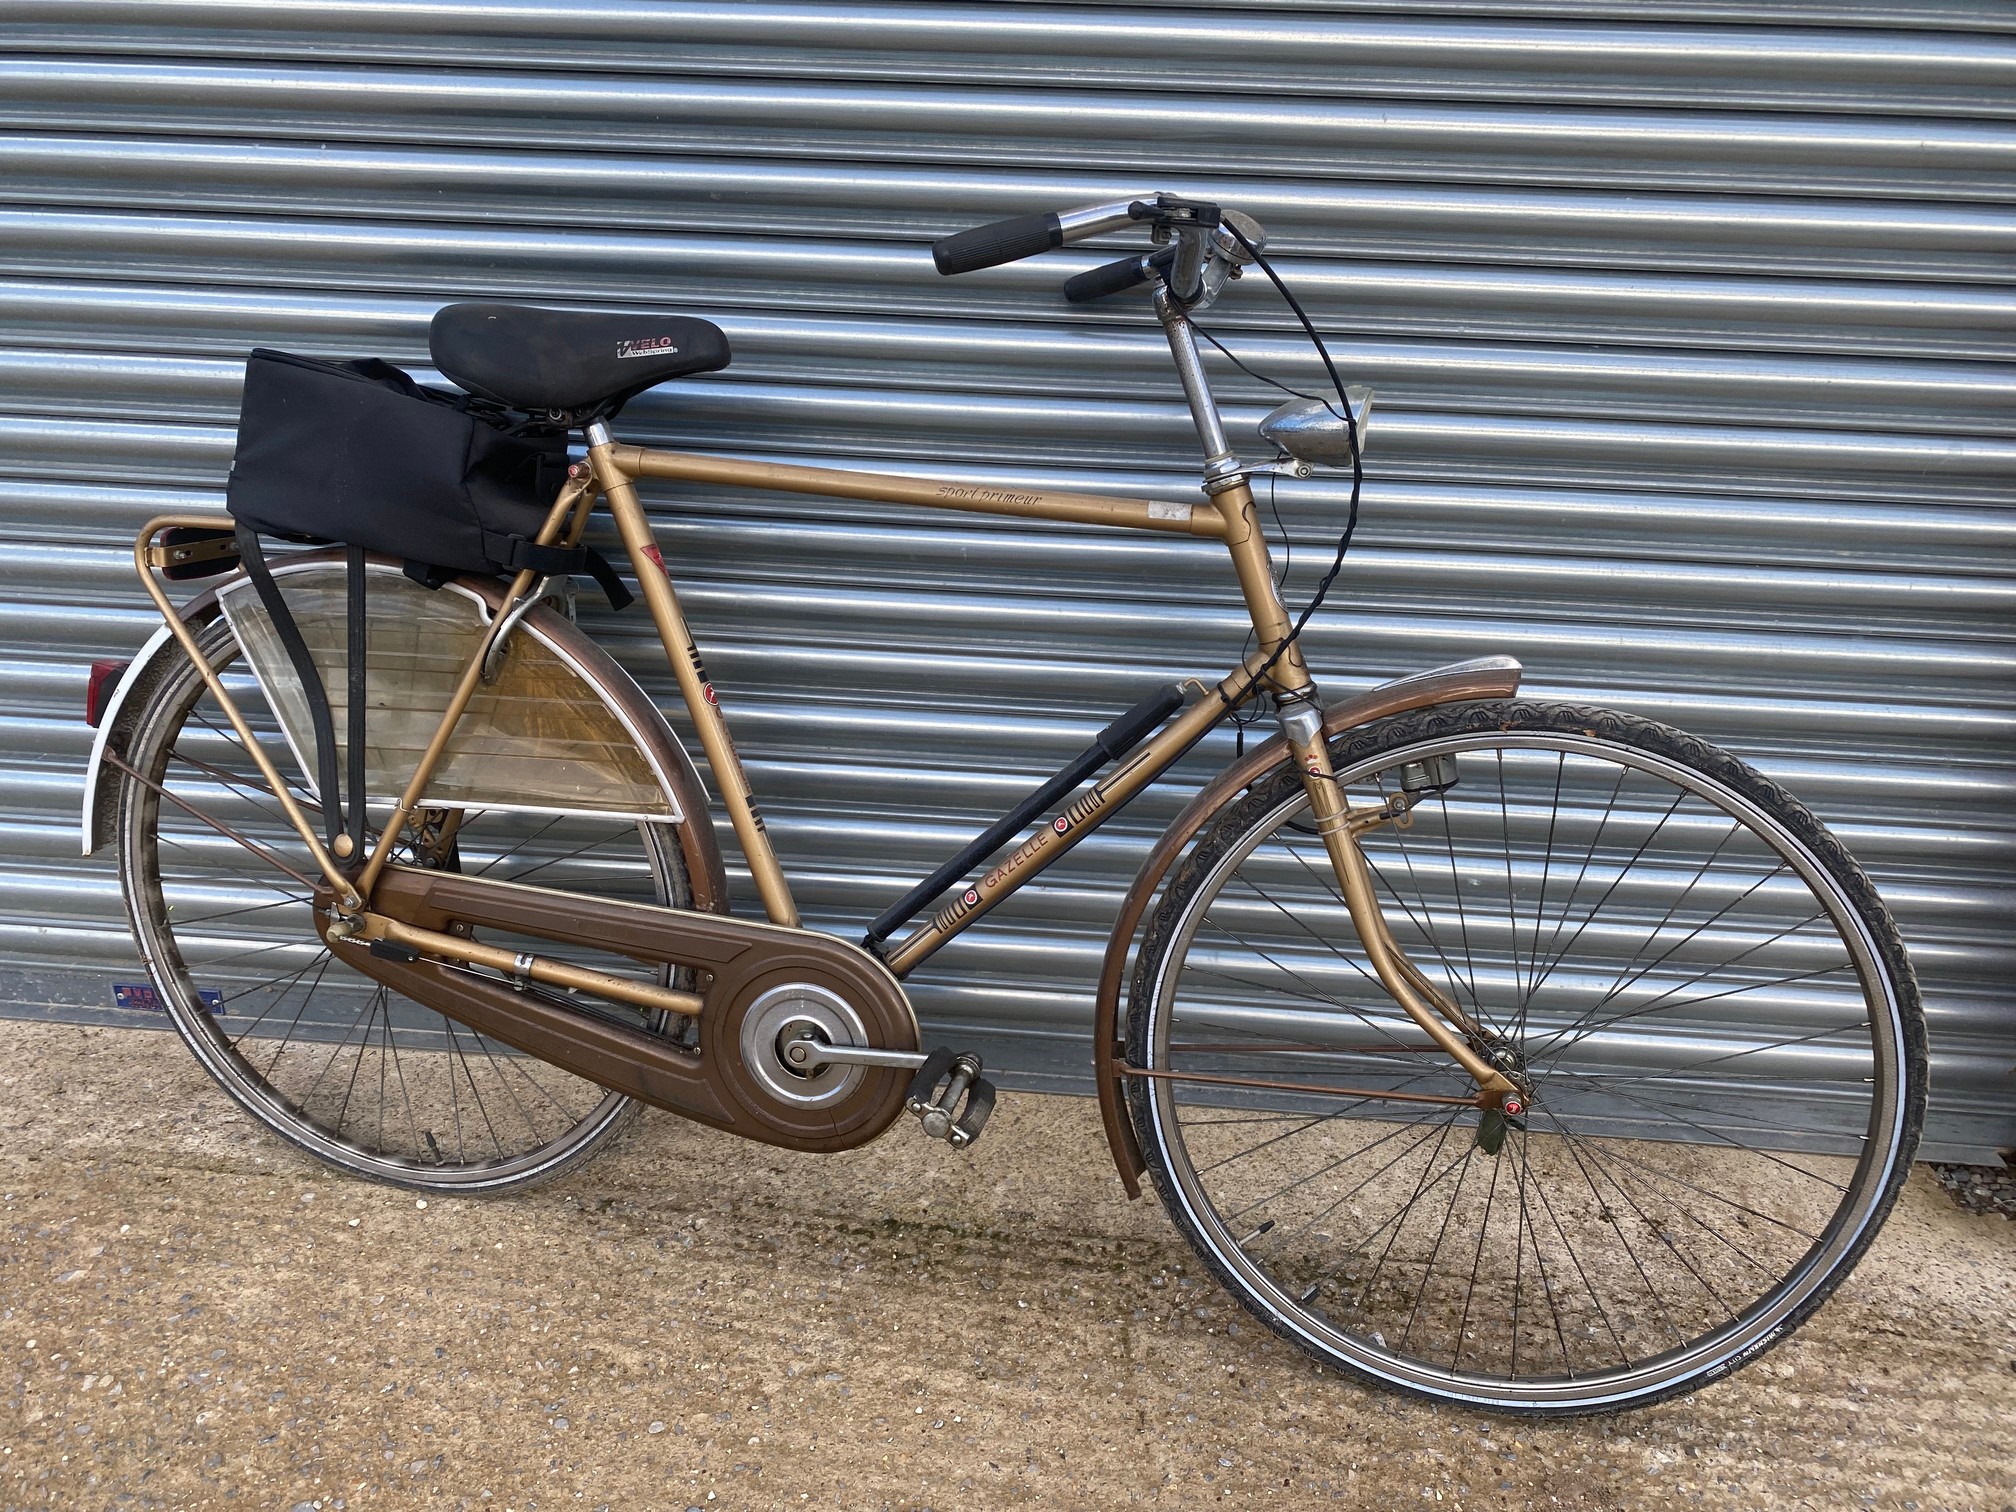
<point>340,1065</point>
<point>1709,1007</point>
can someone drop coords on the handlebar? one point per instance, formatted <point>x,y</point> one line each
<point>1197,256</point>
<point>1002,242</point>
<point>1116,277</point>
<point>1026,235</point>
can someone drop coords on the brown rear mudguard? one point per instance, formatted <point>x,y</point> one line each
<point>1486,677</point>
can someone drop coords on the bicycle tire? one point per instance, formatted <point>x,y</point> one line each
<point>1741,1124</point>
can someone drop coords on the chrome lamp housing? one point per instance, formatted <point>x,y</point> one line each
<point>1313,433</point>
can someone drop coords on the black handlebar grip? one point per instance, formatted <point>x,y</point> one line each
<point>1003,242</point>
<point>1111,278</point>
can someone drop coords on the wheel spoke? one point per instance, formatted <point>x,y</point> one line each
<point>1554,962</point>
<point>1546,875</point>
<point>1546,1202</point>
<point>1312,1122</point>
<point>1511,888</point>
<point>294,1025</point>
<point>1401,1214</point>
<point>1476,1006</point>
<point>1428,1268</point>
<point>1310,993</point>
<point>1301,1181</point>
<point>1476,1268</point>
<point>1625,978</point>
<point>1302,924</point>
<point>1582,1167</point>
<point>1676,1072</point>
<point>1399,836</point>
<point>1582,871</point>
<point>1559,1047</point>
<point>1672,1110</point>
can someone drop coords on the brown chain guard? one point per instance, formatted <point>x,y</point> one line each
<point>736,962</point>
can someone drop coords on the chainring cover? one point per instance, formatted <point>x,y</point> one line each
<point>758,980</point>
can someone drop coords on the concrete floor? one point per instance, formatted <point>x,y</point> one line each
<point>192,1315</point>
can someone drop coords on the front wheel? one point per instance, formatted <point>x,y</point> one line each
<point>1707,1003</point>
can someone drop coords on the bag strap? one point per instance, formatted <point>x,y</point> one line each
<point>304,668</point>
<point>378,370</point>
<point>612,586</point>
<point>515,554</point>
<point>355,608</point>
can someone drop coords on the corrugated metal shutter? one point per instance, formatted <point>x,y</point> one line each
<point>1691,324</point>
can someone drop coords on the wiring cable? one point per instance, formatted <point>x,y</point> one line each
<point>1258,377</point>
<point>1357,460</point>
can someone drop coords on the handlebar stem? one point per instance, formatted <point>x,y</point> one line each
<point>1221,468</point>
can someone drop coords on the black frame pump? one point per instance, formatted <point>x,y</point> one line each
<point>1110,744</point>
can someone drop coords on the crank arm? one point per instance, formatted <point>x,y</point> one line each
<point>811,1054</point>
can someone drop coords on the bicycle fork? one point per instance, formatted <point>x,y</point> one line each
<point>1225,482</point>
<point>1338,825</point>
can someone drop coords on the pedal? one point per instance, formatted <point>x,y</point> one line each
<point>945,1081</point>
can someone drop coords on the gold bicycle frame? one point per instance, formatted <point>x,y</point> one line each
<point>613,469</point>
<point>1229,517</point>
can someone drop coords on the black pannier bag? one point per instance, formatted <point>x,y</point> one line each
<point>360,453</point>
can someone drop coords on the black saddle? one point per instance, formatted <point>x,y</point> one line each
<point>585,365</point>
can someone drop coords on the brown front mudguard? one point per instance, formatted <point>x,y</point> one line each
<point>1486,677</point>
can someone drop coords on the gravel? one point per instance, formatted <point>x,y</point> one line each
<point>1981,1188</point>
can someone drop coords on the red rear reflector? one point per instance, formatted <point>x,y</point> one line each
<point>105,677</point>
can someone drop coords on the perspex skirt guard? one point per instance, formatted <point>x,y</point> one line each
<point>539,737</point>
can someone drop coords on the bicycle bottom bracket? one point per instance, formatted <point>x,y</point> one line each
<point>785,1013</point>
<point>945,1081</point>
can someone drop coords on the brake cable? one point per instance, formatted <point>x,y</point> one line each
<point>1357,461</point>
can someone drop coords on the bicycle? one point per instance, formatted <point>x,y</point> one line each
<point>1511,1053</point>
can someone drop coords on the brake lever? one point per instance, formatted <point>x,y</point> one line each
<point>1173,210</point>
